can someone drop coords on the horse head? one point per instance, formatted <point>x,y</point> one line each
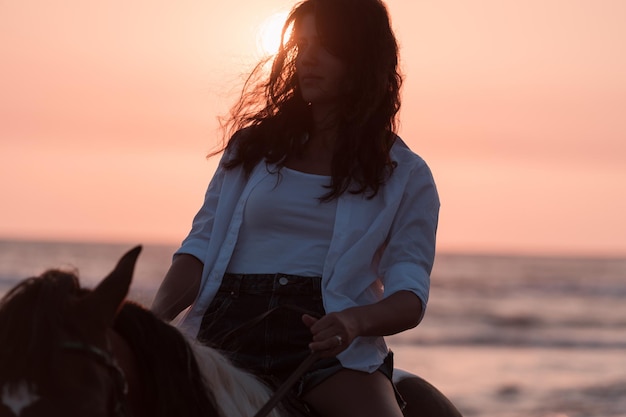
<point>56,355</point>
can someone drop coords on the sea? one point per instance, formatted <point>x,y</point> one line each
<point>503,336</point>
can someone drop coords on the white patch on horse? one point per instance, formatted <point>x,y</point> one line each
<point>237,393</point>
<point>19,397</point>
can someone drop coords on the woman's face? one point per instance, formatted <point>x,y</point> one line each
<point>320,74</point>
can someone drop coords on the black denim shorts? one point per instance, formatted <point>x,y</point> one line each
<point>256,320</point>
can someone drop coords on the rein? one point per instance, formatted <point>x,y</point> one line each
<point>108,361</point>
<point>284,388</point>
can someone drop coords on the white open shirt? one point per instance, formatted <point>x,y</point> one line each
<point>395,230</point>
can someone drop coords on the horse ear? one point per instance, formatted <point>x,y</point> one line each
<point>108,296</point>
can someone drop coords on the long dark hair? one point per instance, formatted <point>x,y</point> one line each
<point>270,119</point>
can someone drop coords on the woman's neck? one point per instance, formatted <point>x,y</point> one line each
<point>322,139</point>
<point>316,155</point>
<point>325,127</point>
<point>324,114</point>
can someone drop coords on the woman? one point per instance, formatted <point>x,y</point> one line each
<point>316,203</point>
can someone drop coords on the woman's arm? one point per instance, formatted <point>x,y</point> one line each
<point>391,315</point>
<point>404,269</point>
<point>179,287</point>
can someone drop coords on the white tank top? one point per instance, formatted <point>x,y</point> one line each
<point>285,227</point>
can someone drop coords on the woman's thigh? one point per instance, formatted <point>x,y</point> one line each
<point>354,393</point>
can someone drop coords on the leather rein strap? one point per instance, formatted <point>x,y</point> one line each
<point>284,388</point>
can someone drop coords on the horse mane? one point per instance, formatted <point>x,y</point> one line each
<point>167,364</point>
<point>238,393</point>
<point>31,319</point>
<point>168,360</point>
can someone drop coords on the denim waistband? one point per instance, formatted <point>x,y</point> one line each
<point>271,284</point>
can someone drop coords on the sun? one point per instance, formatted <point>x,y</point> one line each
<point>268,36</point>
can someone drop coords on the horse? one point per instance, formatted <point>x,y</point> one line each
<point>69,351</point>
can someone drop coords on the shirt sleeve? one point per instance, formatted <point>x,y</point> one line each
<point>197,241</point>
<point>408,257</point>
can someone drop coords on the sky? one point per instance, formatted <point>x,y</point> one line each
<point>108,110</point>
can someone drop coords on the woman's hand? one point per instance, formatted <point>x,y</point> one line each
<point>332,333</point>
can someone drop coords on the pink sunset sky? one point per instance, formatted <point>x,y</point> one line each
<point>108,109</point>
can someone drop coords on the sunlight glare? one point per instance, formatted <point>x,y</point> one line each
<point>268,38</point>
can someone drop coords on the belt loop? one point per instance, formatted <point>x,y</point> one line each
<point>275,282</point>
<point>316,284</point>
